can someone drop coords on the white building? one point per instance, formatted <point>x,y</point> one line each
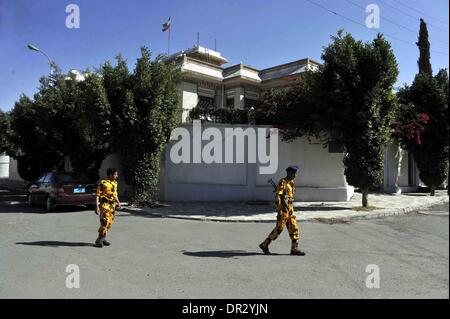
<point>208,83</point>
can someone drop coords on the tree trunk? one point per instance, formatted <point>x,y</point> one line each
<point>432,190</point>
<point>365,197</point>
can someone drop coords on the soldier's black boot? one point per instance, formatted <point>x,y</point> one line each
<point>99,241</point>
<point>265,246</point>
<point>105,242</point>
<point>295,250</point>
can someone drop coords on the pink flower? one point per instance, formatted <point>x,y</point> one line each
<point>424,117</point>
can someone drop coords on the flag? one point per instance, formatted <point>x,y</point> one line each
<point>166,26</point>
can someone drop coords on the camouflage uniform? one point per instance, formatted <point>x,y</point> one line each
<point>285,215</point>
<point>107,193</point>
<point>284,196</point>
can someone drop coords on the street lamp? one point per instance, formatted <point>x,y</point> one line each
<point>34,48</point>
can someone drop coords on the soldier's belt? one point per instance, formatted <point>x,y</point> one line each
<point>105,200</point>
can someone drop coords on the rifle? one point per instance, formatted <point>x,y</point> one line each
<point>284,195</point>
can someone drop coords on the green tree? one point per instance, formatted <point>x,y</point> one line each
<point>430,95</point>
<point>409,123</point>
<point>424,48</point>
<point>148,110</point>
<point>68,118</point>
<point>55,103</point>
<point>27,140</point>
<point>92,126</point>
<point>356,85</point>
<point>295,110</point>
<point>349,100</point>
<point>117,82</point>
<point>3,131</point>
<point>422,120</point>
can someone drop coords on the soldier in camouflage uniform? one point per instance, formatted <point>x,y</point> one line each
<point>107,201</point>
<point>285,193</point>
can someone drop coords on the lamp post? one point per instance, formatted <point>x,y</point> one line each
<point>34,48</point>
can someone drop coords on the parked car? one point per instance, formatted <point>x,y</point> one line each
<point>54,189</point>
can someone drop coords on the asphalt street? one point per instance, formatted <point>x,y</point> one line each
<point>154,257</point>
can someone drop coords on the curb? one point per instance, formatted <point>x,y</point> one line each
<point>381,213</point>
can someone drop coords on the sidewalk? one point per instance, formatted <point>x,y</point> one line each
<point>328,212</point>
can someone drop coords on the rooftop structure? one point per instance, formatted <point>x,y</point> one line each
<point>208,82</point>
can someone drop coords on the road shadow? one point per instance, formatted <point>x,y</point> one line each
<point>56,244</point>
<point>223,253</point>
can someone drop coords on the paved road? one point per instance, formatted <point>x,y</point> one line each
<point>167,258</point>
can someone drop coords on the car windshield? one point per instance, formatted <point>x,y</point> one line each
<point>71,178</point>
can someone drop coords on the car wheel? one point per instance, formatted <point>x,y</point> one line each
<point>49,204</point>
<point>30,201</point>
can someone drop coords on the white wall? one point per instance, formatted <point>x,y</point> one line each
<point>396,181</point>
<point>13,173</point>
<point>321,176</point>
<point>189,98</point>
<point>4,166</point>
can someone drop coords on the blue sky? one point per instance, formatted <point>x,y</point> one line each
<point>261,33</point>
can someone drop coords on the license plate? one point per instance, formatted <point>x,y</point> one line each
<point>79,190</point>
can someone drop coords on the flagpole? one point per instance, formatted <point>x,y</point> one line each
<point>168,43</point>
<point>166,27</point>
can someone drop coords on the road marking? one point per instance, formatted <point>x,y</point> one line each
<point>434,212</point>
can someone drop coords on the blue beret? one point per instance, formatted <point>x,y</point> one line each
<point>292,168</point>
